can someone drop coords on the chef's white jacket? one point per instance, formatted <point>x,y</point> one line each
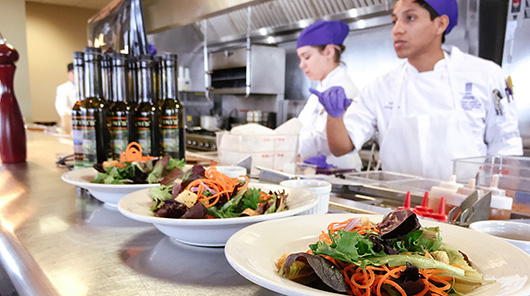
<point>463,84</point>
<point>65,98</point>
<point>313,139</point>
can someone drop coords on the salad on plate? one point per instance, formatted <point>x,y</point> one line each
<point>135,168</point>
<point>394,257</point>
<point>207,193</point>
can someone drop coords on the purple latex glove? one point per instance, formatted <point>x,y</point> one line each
<point>320,162</point>
<point>333,99</point>
<point>152,49</point>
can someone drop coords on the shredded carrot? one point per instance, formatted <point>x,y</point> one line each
<point>370,280</point>
<point>335,226</point>
<point>133,153</point>
<point>218,182</point>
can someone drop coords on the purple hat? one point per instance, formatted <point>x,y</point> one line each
<point>323,33</point>
<point>447,7</point>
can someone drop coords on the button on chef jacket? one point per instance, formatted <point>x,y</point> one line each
<point>313,140</point>
<point>427,119</point>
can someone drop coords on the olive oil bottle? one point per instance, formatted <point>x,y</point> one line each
<point>121,114</point>
<point>173,132</point>
<point>77,122</point>
<point>106,77</point>
<point>132,76</point>
<point>94,111</point>
<point>147,111</point>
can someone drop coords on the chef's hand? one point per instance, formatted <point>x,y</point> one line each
<point>333,99</point>
<point>319,161</point>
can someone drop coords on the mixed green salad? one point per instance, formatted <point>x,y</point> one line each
<point>151,171</point>
<point>200,193</point>
<point>394,257</point>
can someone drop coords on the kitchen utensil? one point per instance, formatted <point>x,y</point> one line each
<point>472,209</point>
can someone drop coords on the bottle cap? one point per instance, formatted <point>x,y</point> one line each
<point>424,209</point>
<point>406,204</point>
<point>451,184</point>
<point>440,215</point>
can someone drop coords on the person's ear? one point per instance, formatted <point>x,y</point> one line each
<point>329,50</point>
<point>441,24</point>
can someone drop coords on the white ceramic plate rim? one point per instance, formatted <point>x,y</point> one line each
<point>80,178</point>
<point>258,243</point>
<point>482,226</point>
<point>124,206</point>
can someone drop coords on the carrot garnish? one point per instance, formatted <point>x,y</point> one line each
<point>133,153</point>
<point>370,279</point>
<point>217,184</point>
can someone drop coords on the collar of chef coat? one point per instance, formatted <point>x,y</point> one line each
<point>424,92</point>
<point>328,81</point>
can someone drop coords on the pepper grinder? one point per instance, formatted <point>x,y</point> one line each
<point>12,131</point>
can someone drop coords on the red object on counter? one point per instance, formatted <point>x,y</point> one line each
<point>424,209</point>
<point>440,216</point>
<point>406,204</point>
<point>12,131</point>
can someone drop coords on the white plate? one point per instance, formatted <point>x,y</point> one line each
<point>253,252</point>
<point>506,230</point>
<point>110,194</point>
<point>210,232</point>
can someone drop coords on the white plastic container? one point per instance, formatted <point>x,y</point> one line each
<point>321,188</point>
<point>513,171</point>
<point>267,147</point>
<point>232,171</point>
<point>447,189</point>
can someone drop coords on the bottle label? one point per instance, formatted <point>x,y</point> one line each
<point>143,126</point>
<point>77,138</point>
<point>170,134</point>
<point>89,141</point>
<point>95,137</point>
<point>119,134</point>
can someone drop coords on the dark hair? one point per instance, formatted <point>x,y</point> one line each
<point>70,67</point>
<point>431,11</point>
<point>339,50</point>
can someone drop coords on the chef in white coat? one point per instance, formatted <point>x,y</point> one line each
<point>319,48</point>
<point>440,104</point>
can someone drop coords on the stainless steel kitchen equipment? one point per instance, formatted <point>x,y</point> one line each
<point>265,66</point>
<point>200,140</point>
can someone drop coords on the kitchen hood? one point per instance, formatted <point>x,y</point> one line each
<point>271,22</point>
<point>280,21</point>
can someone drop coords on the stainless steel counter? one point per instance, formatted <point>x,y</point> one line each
<point>57,240</point>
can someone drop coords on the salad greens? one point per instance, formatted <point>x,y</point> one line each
<point>398,241</point>
<point>175,201</point>
<point>149,172</point>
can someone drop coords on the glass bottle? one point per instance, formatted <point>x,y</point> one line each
<point>12,131</point>
<point>173,132</point>
<point>133,82</point>
<point>121,115</point>
<point>106,77</point>
<point>157,79</point>
<point>94,111</point>
<point>77,119</point>
<point>147,111</point>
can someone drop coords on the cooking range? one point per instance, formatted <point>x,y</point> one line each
<point>200,139</point>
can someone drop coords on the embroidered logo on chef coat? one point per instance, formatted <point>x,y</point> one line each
<point>469,102</point>
<point>389,105</point>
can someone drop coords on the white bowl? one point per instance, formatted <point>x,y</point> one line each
<point>232,171</point>
<point>210,232</point>
<point>254,250</point>
<point>110,194</point>
<point>321,188</point>
<point>516,233</point>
